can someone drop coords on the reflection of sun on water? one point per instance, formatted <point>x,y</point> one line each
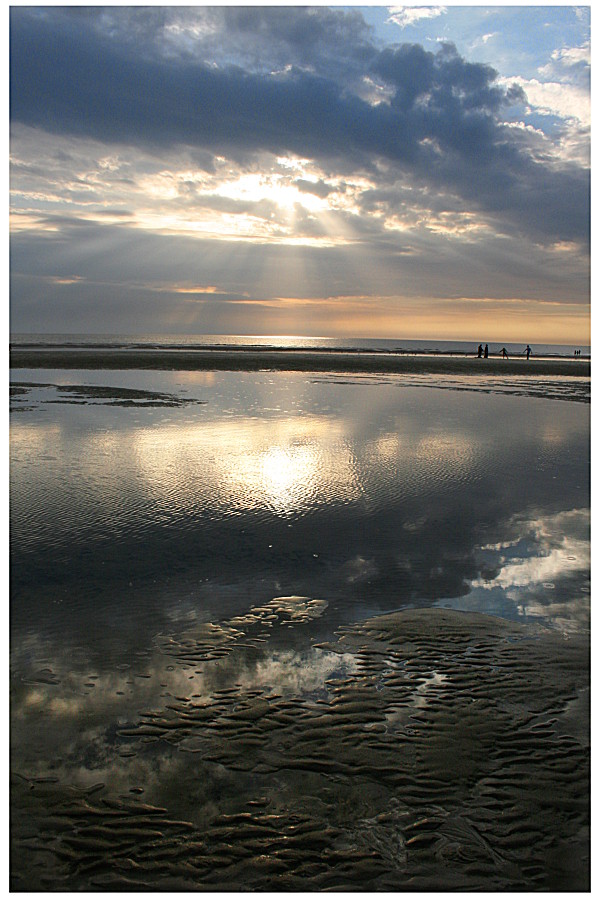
<point>286,466</point>
<point>288,475</point>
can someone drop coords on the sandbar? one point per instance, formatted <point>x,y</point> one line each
<point>292,360</point>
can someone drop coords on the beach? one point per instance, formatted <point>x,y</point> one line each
<point>291,361</point>
<point>454,757</point>
<point>299,630</point>
<point>300,449</point>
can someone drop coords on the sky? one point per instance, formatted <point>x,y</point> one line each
<point>402,172</point>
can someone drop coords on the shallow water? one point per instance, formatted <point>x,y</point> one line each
<point>185,548</point>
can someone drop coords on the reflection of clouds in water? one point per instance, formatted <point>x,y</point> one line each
<point>121,696</point>
<point>79,735</point>
<point>571,556</point>
<point>557,552</point>
<point>388,446</point>
<point>33,439</point>
<point>571,615</point>
<point>285,464</point>
<point>291,672</point>
<point>367,494</point>
<point>545,572</point>
<point>359,569</point>
<point>265,453</point>
<point>449,446</point>
<point>577,521</point>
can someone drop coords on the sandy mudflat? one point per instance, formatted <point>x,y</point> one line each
<point>452,755</point>
<point>83,394</point>
<point>291,360</point>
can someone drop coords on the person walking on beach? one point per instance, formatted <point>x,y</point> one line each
<point>479,352</point>
<point>486,352</point>
<point>527,351</point>
<point>504,353</point>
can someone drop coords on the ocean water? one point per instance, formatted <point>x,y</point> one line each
<point>286,342</point>
<point>201,694</point>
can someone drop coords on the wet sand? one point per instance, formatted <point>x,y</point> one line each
<point>292,360</point>
<point>83,394</point>
<point>452,755</point>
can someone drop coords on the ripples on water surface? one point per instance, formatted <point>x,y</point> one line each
<point>197,700</point>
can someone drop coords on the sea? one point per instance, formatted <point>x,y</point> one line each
<point>287,342</point>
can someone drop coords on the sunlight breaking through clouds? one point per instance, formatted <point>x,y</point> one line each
<point>348,160</point>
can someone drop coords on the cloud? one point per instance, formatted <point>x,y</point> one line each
<point>443,123</point>
<point>573,56</point>
<point>283,153</point>
<point>555,98</point>
<point>404,16</point>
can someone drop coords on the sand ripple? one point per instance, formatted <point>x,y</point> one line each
<point>455,756</point>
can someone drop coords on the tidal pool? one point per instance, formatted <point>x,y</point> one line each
<point>293,631</point>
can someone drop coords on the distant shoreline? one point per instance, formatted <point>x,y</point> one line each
<point>321,360</point>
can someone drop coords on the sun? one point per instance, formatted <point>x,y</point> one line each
<point>275,188</point>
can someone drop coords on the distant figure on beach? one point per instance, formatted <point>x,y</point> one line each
<point>486,352</point>
<point>479,352</point>
<point>527,351</point>
<point>504,353</point>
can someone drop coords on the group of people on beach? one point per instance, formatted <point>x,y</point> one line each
<point>484,352</point>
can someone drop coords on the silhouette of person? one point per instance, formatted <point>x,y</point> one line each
<point>479,352</point>
<point>486,352</point>
<point>504,353</point>
<point>527,350</point>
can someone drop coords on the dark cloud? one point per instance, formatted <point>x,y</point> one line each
<point>327,41</point>
<point>318,188</point>
<point>66,81</point>
<point>81,72</point>
<point>331,42</point>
